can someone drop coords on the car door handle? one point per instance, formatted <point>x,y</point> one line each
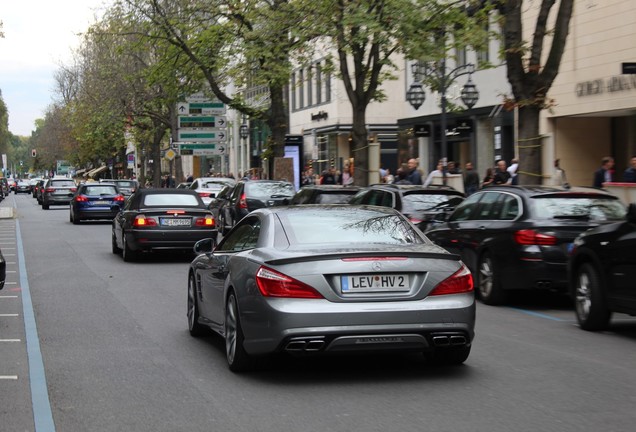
<point>482,227</point>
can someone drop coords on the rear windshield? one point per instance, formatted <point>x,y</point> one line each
<point>593,208</point>
<point>63,183</point>
<point>170,200</point>
<point>428,202</point>
<point>100,190</point>
<point>125,184</point>
<point>333,198</point>
<point>347,227</point>
<point>256,189</point>
<point>215,185</point>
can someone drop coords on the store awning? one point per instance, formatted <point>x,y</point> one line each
<point>79,172</point>
<point>92,173</point>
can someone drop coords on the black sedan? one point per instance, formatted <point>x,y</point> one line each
<point>602,270</point>
<point>518,237</point>
<point>153,219</point>
<point>318,279</point>
<point>418,203</point>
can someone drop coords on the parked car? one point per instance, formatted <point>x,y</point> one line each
<point>208,187</point>
<point>311,280</point>
<point>249,195</point>
<point>518,237</point>
<point>151,219</point>
<point>3,270</point>
<point>4,187</point>
<point>22,186</point>
<point>418,203</point>
<point>95,201</point>
<point>324,194</point>
<point>602,272</point>
<point>57,191</point>
<point>184,185</point>
<point>125,186</point>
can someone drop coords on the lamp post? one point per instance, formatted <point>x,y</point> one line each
<point>438,78</point>
<point>244,131</point>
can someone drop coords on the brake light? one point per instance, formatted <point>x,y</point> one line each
<point>73,190</point>
<point>458,283</point>
<point>49,190</point>
<point>204,194</point>
<point>176,212</point>
<point>81,198</point>
<point>530,237</point>
<point>143,221</point>
<point>274,284</point>
<point>119,198</point>
<point>207,221</point>
<point>243,202</point>
<point>388,258</point>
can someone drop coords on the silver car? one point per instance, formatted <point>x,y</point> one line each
<point>326,279</point>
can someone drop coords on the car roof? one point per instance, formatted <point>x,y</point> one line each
<point>410,188</point>
<point>539,190</point>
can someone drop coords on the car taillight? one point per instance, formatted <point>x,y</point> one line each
<point>73,190</point>
<point>49,190</point>
<point>530,237</point>
<point>207,221</point>
<point>459,282</point>
<point>119,198</point>
<point>274,284</point>
<point>204,194</point>
<point>243,202</point>
<point>143,221</point>
<point>81,198</point>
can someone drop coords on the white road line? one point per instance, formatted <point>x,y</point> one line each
<point>10,340</point>
<point>8,377</point>
<point>9,315</point>
<point>1,297</point>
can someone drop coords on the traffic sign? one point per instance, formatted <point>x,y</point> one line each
<point>201,149</point>
<point>170,154</point>
<point>203,136</point>
<point>199,121</point>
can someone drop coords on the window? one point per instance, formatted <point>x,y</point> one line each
<point>460,53</point>
<point>310,87</point>
<point>301,88</point>
<point>244,237</point>
<point>466,208</point>
<point>293,91</point>
<point>483,51</point>
<point>159,200</point>
<point>318,78</point>
<point>509,207</point>
<point>487,207</point>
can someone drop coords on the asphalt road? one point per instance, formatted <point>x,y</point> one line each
<point>117,356</point>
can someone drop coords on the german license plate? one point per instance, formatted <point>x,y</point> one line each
<point>375,283</point>
<point>175,222</point>
<point>102,202</point>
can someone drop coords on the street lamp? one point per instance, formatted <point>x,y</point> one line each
<point>440,79</point>
<point>244,132</point>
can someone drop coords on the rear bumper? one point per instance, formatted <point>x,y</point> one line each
<point>166,239</point>
<point>98,213</point>
<point>535,275</point>
<point>301,326</point>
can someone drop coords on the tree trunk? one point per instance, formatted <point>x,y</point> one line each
<point>360,147</point>
<point>157,137</point>
<point>278,122</point>
<point>530,146</point>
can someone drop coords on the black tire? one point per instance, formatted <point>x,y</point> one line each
<point>45,206</point>
<point>238,360</point>
<point>488,284</point>
<point>127,254</point>
<point>590,306</point>
<point>449,356</point>
<point>115,248</point>
<point>196,329</point>
<point>221,226</point>
<point>74,219</point>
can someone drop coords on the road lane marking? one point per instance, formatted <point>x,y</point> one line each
<point>9,315</point>
<point>10,340</point>
<point>1,297</point>
<point>537,314</point>
<point>42,415</point>
<point>8,377</point>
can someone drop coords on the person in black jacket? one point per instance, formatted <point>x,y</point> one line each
<point>604,173</point>
<point>630,173</point>
<point>502,176</point>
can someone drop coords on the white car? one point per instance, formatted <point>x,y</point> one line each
<point>208,187</point>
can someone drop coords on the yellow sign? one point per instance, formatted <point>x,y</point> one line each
<point>170,154</point>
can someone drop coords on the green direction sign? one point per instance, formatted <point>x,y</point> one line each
<point>202,136</point>
<point>197,146</point>
<point>201,149</point>
<point>202,122</point>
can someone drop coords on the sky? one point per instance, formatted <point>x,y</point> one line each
<point>39,36</point>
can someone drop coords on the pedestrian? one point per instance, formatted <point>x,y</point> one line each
<point>328,176</point>
<point>558,177</point>
<point>437,172</point>
<point>471,179</point>
<point>629,176</point>
<point>512,170</point>
<point>502,176</point>
<point>453,168</point>
<point>308,177</point>
<point>413,174</point>
<point>488,178</point>
<point>402,177</point>
<point>189,178</point>
<point>346,178</point>
<point>388,177</point>
<point>604,173</point>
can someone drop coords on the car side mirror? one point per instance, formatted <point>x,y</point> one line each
<point>204,246</point>
<point>631,214</point>
<point>442,216</point>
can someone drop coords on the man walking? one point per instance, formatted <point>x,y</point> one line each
<point>502,176</point>
<point>630,173</point>
<point>471,179</point>
<point>414,175</point>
